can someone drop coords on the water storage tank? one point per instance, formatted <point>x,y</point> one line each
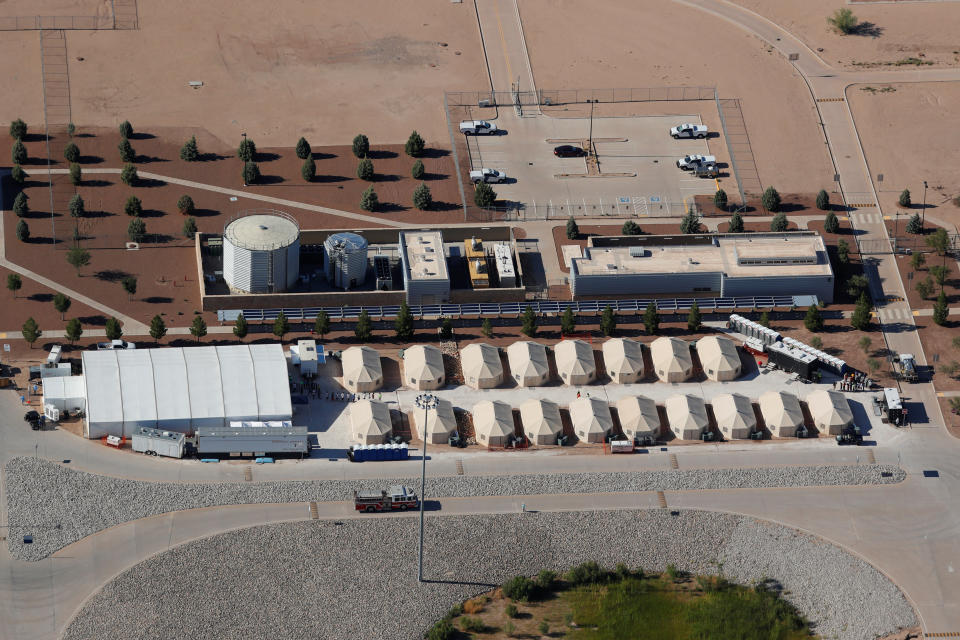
<point>261,252</point>
<point>345,260</point>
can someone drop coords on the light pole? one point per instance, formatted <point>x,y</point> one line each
<point>590,150</point>
<point>425,401</point>
<point>923,210</point>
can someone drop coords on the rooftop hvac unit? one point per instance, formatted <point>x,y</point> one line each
<point>638,252</point>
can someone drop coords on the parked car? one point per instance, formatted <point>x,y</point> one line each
<point>689,131</point>
<point>705,170</point>
<point>33,419</point>
<point>115,344</point>
<point>688,162</point>
<point>488,175</point>
<point>477,128</point>
<point>568,151</point>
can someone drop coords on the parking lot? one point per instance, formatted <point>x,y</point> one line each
<point>636,157</point>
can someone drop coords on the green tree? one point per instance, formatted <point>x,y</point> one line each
<point>369,200</point>
<point>528,323</point>
<point>720,199</point>
<point>71,129</point>
<point>18,174</point>
<point>694,318</point>
<point>765,319</point>
<point>31,331</point>
<point>198,328</point>
<point>736,223</point>
<point>281,326</point>
<point>446,328</point>
<point>873,364</point>
<point>917,260</point>
<point>403,325</point>
<point>71,152</point>
<point>361,146</point>
<point>303,149</point>
<point>365,169</point>
<point>940,274</point>
<point>74,330</point>
<point>651,319</point>
<point>422,198</point>
<point>364,329</point>
<point>23,231</point>
<point>940,309</point>
<point>185,205</point>
<point>831,223</point>
<point>483,195</point>
<point>18,153</point>
<point>856,285</point>
<point>76,206</point>
<point>608,321</point>
<point>904,199</point>
<point>76,174</point>
<point>418,171</point>
<point>240,327</point>
<point>137,230</point>
<point>690,222</point>
<point>860,319</point>
<point>487,328</point>
<point>18,129</point>
<point>544,628</point>
<point>308,170</point>
<point>14,283</point>
<point>158,328</point>
<point>813,321</point>
<point>843,252</point>
<point>78,257</point>
<point>251,173</point>
<point>126,129</point>
<point>61,303</point>
<point>189,151</point>
<point>779,222</point>
<point>630,228</point>
<point>816,342</point>
<point>924,288</point>
<point>128,175</point>
<point>247,150</point>
<point>823,203</point>
<point>133,206</point>
<point>129,285</point>
<point>321,326</point>
<point>415,145</point>
<point>20,206</point>
<point>189,227</point>
<point>914,225</point>
<point>843,21</point>
<point>112,329</point>
<point>771,200</point>
<point>568,323</point>
<point>127,154</point>
<point>939,241</point>
<point>573,230</point>
<point>865,343</point>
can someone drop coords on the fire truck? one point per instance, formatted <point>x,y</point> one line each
<point>394,498</point>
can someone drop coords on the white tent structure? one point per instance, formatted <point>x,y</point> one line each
<point>735,417</point>
<point>671,359</point>
<point>591,419</point>
<point>65,393</point>
<point>830,412</point>
<point>441,422</point>
<point>719,358</point>
<point>541,421</point>
<point>370,422</point>
<point>423,367</point>
<point>781,413</point>
<point>528,363</point>
<point>481,365</point>
<point>362,371</point>
<point>575,362</point>
<point>623,359</point>
<point>492,422</point>
<point>687,416</point>
<point>180,389</point>
<point>638,417</point>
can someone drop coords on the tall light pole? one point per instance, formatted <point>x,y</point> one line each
<point>923,211</point>
<point>590,150</point>
<point>425,401</point>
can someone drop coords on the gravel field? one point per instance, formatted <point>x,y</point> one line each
<point>357,580</point>
<point>58,506</point>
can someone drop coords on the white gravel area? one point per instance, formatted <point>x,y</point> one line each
<point>320,579</point>
<point>58,505</point>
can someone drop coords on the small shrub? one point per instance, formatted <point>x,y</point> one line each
<point>126,129</point>
<point>546,579</point>
<point>472,625</point>
<point>509,629</point>
<point>418,171</point>
<point>127,154</point>
<point>76,174</point>
<point>414,146</point>
<point>251,173</point>
<point>189,228</point>
<point>361,146</point>
<point>915,224</point>
<point>771,200</point>
<point>365,169</point>
<point>630,228</point>
<point>843,21</point>
<point>303,149</point>
<point>18,174</point>
<point>133,206</point>
<point>369,200</point>
<point>18,153</point>
<point>587,573</point>
<point>128,175</point>
<point>185,205</point>
<point>474,605</point>
<point>904,199</point>
<point>823,202</point>
<point>720,200</point>
<point>779,222</point>
<point>673,573</point>
<point>816,342</point>
<point>544,627</point>
<point>484,196</point>
<point>247,150</point>
<point>18,129</point>
<point>519,588</point>
<point>442,630</point>
<point>511,610</point>
<point>455,611</point>
<point>308,171</point>
<point>422,198</point>
<point>573,230</point>
<point>691,222</point>
<point>71,129</point>
<point>189,151</point>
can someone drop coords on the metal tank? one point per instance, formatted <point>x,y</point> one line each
<point>345,260</point>
<point>261,252</point>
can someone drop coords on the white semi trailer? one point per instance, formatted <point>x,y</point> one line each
<point>156,442</point>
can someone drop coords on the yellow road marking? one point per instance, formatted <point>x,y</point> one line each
<point>717,182</point>
<point>916,313</point>
<point>503,42</point>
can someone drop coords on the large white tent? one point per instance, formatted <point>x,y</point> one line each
<point>441,422</point>
<point>781,413</point>
<point>830,412</point>
<point>528,363</point>
<point>591,418</point>
<point>481,365</point>
<point>734,414</point>
<point>362,371</point>
<point>423,367</point>
<point>687,416</point>
<point>623,359</point>
<point>671,359</point>
<point>492,422</point>
<point>575,362</point>
<point>65,393</point>
<point>638,416</point>
<point>541,420</point>
<point>370,422</point>
<point>180,389</point>
<point>719,358</point>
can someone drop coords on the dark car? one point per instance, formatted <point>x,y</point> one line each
<point>33,418</point>
<point>568,151</point>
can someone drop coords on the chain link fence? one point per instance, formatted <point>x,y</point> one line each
<point>638,208</point>
<point>548,97</point>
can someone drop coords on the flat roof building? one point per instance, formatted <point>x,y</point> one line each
<point>528,363</point>
<point>623,359</point>
<point>719,358</point>
<point>575,362</point>
<point>423,367</point>
<point>362,371</point>
<point>481,365</point>
<point>671,359</point>
<point>426,278</point>
<point>503,258</point>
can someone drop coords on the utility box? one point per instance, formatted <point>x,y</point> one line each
<point>307,353</point>
<point>53,358</point>
<point>894,405</point>
<point>157,442</point>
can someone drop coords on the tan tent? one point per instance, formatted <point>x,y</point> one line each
<point>423,367</point>
<point>481,366</point>
<point>441,422</point>
<point>671,359</point>
<point>735,417</point>
<point>575,362</point>
<point>638,417</point>
<point>623,360</point>
<point>492,422</point>
<point>370,422</point>
<point>361,369</point>
<point>830,411</point>
<point>541,421</point>
<point>719,358</point>
<point>781,413</point>
<point>528,363</point>
<point>687,416</point>
<point>591,419</point>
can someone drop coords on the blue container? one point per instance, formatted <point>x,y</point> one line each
<point>209,459</point>
<point>379,453</point>
<point>359,453</point>
<point>264,460</point>
<point>394,451</point>
<point>404,451</point>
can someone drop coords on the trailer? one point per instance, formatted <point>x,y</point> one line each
<point>253,441</point>
<point>905,367</point>
<point>792,360</point>
<point>157,442</point>
<point>394,498</point>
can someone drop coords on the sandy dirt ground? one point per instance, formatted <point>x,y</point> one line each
<point>635,44</point>
<point>896,30</point>
<point>55,8</point>
<point>36,301</point>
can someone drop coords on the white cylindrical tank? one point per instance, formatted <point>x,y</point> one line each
<point>345,260</point>
<point>261,252</point>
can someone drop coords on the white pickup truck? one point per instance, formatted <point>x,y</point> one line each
<point>488,175</point>
<point>477,128</point>
<point>115,344</point>
<point>690,162</point>
<point>689,131</point>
